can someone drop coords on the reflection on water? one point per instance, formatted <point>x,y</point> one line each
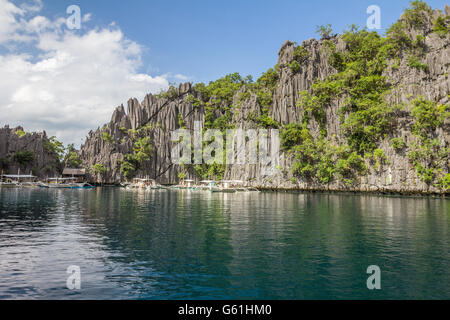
<point>199,245</point>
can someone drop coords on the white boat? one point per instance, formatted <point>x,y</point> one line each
<point>187,184</point>
<point>5,184</point>
<point>29,184</point>
<point>144,184</point>
<point>206,185</point>
<point>232,186</point>
<point>226,186</point>
<point>64,183</point>
<point>58,183</point>
<point>155,186</point>
<point>223,190</point>
<point>137,183</point>
<point>17,180</point>
<point>83,185</point>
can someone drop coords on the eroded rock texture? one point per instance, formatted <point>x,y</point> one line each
<point>42,162</point>
<point>164,113</point>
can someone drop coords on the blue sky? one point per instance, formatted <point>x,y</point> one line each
<point>68,82</point>
<point>205,40</point>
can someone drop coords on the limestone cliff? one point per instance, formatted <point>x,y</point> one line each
<point>29,152</point>
<point>415,74</point>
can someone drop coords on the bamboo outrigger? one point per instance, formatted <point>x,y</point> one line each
<point>17,180</point>
<point>144,183</point>
<point>64,183</point>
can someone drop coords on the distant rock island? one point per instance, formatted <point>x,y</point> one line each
<point>355,112</point>
<point>28,153</point>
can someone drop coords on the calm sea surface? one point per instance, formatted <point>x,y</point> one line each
<point>198,245</point>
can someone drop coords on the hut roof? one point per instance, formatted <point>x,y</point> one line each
<point>74,172</point>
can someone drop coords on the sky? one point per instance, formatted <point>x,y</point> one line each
<point>68,82</point>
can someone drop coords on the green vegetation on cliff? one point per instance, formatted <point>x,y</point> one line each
<point>132,162</point>
<point>320,159</point>
<point>20,133</point>
<point>366,117</point>
<point>430,158</point>
<point>24,158</point>
<point>71,159</point>
<point>99,170</point>
<point>218,99</point>
<point>53,146</point>
<point>441,26</point>
<point>372,129</point>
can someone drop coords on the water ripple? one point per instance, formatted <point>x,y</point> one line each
<point>198,245</point>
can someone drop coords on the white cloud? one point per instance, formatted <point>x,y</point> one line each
<point>181,77</point>
<point>8,19</point>
<point>71,81</point>
<point>32,6</point>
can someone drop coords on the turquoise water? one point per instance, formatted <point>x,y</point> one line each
<point>198,245</point>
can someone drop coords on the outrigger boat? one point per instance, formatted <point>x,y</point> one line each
<point>153,185</point>
<point>9,184</point>
<point>135,185</point>
<point>207,185</point>
<point>83,185</point>
<point>232,186</point>
<point>17,180</point>
<point>144,184</point>
<point>64,183</point>
<point>186,185</point>
<point>224,186</point>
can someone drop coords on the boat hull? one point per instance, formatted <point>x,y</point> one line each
<point>62,186</point>
<point>224,190</point>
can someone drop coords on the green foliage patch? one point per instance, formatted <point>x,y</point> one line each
<point>4,163</point>
<point>132,162</point>
<point>99,168</point>
<point>53,146</point>
<point>107,137</point>
<point>428,154</point>
<point>325,31</point>
<point>397,143</point>
<point>414,62</point>
<point>366,117</point>
<point>319,159</point>
<point>20,133</point>
<point>441,26</point>
<point>24,158</point>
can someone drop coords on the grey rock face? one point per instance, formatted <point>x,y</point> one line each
<point>397,175</point>
<point>45,163</point>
